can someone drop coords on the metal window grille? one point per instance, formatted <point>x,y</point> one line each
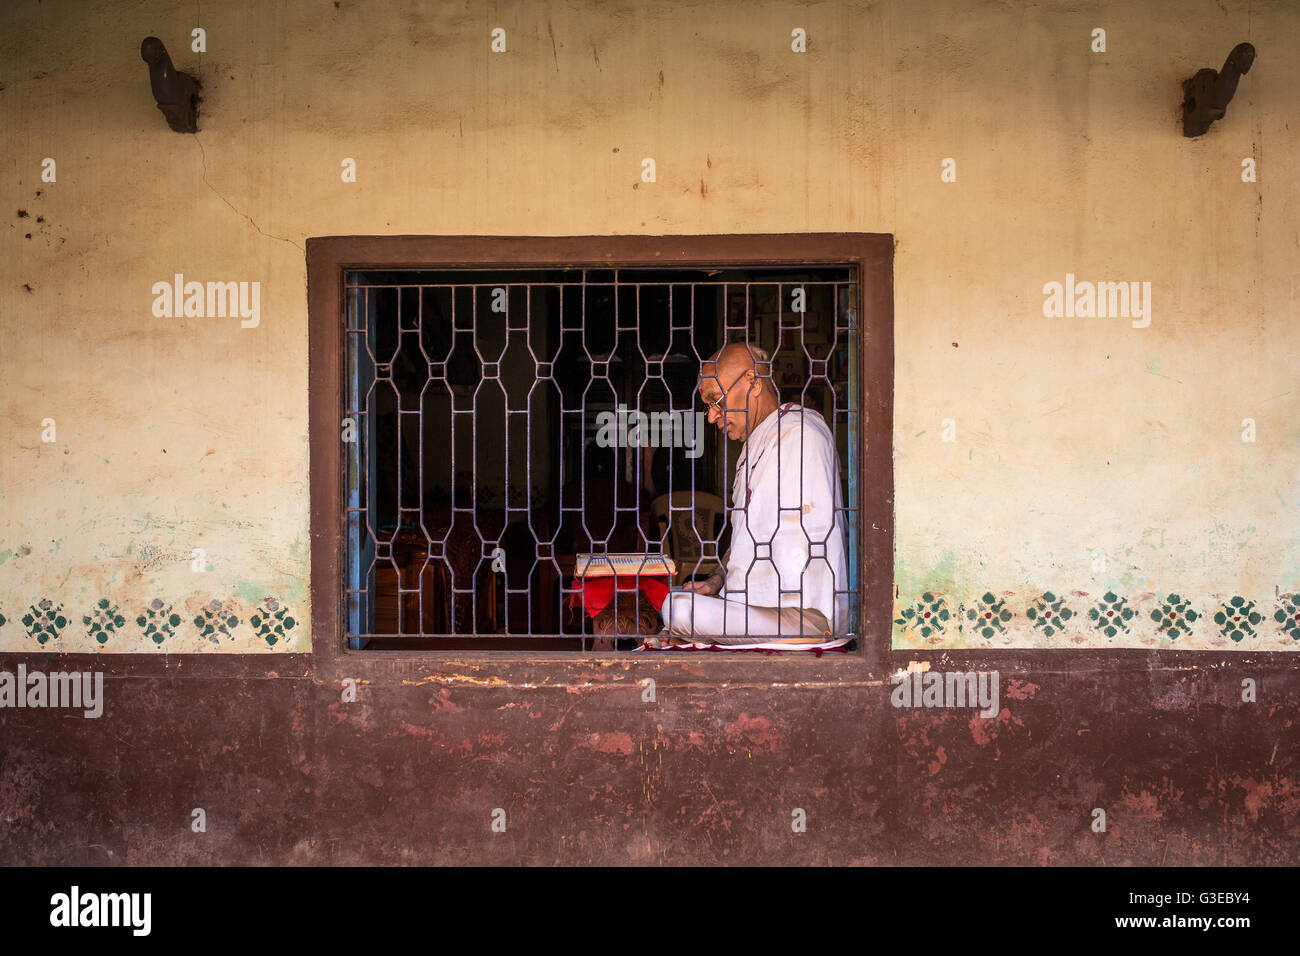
<point>475,469</point>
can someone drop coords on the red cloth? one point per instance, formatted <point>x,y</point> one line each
<point>597,592</point>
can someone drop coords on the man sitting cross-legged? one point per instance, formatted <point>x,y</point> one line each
<point>787,557</point>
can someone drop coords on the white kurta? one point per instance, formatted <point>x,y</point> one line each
<point>793,557</point>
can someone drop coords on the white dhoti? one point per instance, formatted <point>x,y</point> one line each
<point>719,621</point>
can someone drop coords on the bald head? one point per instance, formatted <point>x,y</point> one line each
<point>739,376</point>
<point>732,361</point>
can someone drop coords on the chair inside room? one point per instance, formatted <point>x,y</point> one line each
<point>690,520</point>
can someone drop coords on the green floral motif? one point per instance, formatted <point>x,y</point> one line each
<point>1237,619</point>
<point>1049,614</point>
<point>990,618</point>
<point>103,621</point>
<point>216,619</point>
<point>928,617</point>
<point>3,619</point>
<point>1287,614</point>
<point>158,621</point>
<point>272,621</point>
<point>1173,617</point>
<point>45,622</point>
<point>1111,615</point>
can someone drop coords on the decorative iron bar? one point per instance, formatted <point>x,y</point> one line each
<point>501,423</point>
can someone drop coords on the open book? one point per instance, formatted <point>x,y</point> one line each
<point>604,565</point>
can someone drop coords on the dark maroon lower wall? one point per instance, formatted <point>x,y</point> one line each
<point>589,773</point>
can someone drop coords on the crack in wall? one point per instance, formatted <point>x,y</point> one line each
<point>203,153</point>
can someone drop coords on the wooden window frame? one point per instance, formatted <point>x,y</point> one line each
<point>330,258</point>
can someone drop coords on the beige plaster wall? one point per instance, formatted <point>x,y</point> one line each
<point>1087,456</point>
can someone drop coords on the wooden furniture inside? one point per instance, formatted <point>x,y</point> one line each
<point>690,519</point>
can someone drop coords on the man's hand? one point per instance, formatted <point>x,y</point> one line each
<point>711,585</point>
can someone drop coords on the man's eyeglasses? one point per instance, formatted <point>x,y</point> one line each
<point>718,404</point>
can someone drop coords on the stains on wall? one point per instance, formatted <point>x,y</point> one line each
<point>411,773</point>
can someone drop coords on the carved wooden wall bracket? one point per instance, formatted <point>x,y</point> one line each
<point>177,93</point>
<point>1207,94</point>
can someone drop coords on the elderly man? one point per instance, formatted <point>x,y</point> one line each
<point>787,557</point>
